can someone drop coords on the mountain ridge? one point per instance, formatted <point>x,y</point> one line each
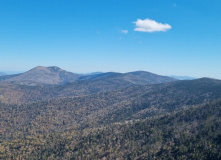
<point>54,75</point>
<point>57,121</point>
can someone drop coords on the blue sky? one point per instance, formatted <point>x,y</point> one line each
<point>167,37</point>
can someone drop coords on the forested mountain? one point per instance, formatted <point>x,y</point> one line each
<point>33,85</point>
<point>108,116</point>
<point>138,77</point>
<point>55,75</point>
<point>45,75</point>
<point>109,107</point>
<point>193,133</point>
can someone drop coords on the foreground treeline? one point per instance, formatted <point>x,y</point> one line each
<point>193,133</point>
<point>103,108</point>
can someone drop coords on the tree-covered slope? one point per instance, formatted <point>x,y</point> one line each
<point>105,108</point>
<point>194,133</point>
<point>59,125</point>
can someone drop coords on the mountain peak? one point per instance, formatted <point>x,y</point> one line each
<point>55,69</point>
<point>38,67</point>
<point>50,69</point>
<point>46,75</point>
<point>46,68</point>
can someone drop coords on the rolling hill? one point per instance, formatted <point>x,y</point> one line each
<point>135,115</point>
<point>192,133</point>
<point>137,77</point>
<point>131,103</point>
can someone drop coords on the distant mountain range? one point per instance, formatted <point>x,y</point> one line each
<point>55,75</point>
<point>183,77</point>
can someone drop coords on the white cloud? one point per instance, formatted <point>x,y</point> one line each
<point>124,31</point>
<point>148,25</point>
